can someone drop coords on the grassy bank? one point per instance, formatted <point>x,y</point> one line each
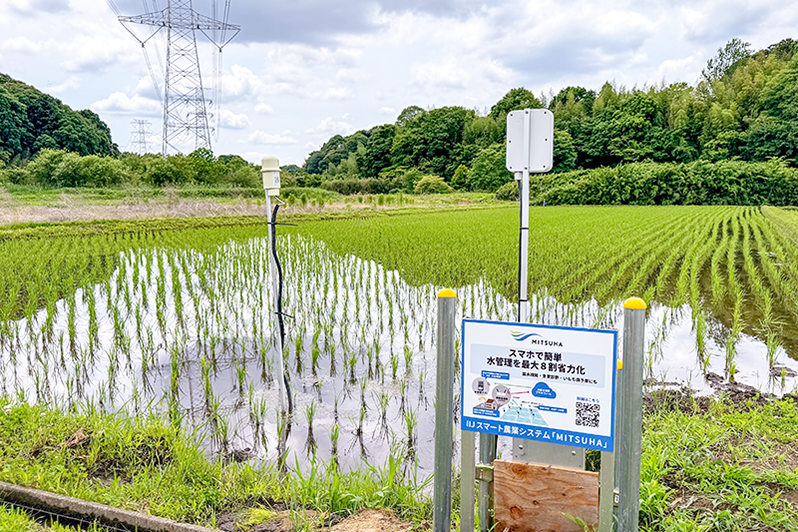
<point>707,465</point>
<point>146,464</point>
<point>50,196</point>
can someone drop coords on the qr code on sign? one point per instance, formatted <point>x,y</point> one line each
<point>587,414</point>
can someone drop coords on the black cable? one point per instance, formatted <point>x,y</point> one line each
<point>280,303</point>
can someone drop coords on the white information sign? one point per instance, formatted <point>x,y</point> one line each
<point>535,151</point>
<point>539,382</point>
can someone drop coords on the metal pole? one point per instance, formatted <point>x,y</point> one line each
<point>524,450</point>
<point>487,454</point>
<point>607,478</point>
<point>275,295</point>
<point>444,412</point>
<point>631,417</point>
<point>523,257</point>
<point>523,248</point>
<point>467,477</point>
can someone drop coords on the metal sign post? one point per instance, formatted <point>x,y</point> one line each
<point>530,149</point>
<point>630,417</point>
<point>444,411</point>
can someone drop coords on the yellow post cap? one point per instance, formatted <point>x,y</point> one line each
<point>635,303</point>
<point>447,292</point>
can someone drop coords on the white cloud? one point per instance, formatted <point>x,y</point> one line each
<point>72,83</point>
<point>97,53</point>
<point>33,7</point>
<point>333,125</point>
<point>26,45</point>
<point>241,84</point>
<point>264,109</point>
<point>146,88</point>
<point>673,68</point>
<point>120,103</point>
<point>261,137</point>
<point>230,120</point>
<point>350,75</point>
<point>387,110</point>
<point>337,93</point>
<point>78,53</point>
<point>253,157</point>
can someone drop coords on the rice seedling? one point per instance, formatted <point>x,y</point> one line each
<point>310,414</point>
<point>185,313</point>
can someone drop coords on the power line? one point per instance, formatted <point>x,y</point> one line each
<point>185,110</point>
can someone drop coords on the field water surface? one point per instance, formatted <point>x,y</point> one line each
<point>181,323</point>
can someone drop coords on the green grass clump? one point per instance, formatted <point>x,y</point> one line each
<point>729,467</point>
<point>145,464</point>
<point>14,520</point>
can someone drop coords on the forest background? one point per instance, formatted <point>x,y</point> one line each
<point>732,138</point>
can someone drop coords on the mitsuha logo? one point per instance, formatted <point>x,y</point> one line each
<point>534,339</point>
<point>520,337</point>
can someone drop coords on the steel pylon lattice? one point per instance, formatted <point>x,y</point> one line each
<point>141,129</point>
<point>184,103</point>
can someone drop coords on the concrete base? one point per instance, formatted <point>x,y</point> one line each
<point>72,507</point>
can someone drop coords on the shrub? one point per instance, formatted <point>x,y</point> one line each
<point>696,183</point>
<point>459,178</point>
<point>508,192</point>
<point>432,184</point>
<point>354,185</point>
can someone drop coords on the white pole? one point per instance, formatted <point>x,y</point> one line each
<point>523,248</point>
<point>278,342</point>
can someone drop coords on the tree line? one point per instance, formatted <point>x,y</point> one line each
<point>31,121</point>
<point>744,107</point>
<point>743,111</point>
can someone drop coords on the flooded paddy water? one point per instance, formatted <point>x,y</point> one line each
<point>189,334</point>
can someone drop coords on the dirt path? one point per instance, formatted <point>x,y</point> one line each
<point>138,211</point>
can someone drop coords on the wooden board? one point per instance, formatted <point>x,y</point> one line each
<point>534,497</point>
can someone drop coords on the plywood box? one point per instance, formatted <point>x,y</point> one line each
<point>535,497</point>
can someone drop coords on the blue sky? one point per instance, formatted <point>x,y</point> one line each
<point>302,71</point>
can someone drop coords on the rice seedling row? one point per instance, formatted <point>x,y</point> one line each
<point>181,322</point>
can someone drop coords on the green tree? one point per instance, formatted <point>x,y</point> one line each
<point>12,125</point>
<point>334,151</point>
<point>564,152</point>
<point>726,59</point>
<point>518,98</point>
<point>483,131</point>
<point>432,184</point>
<point>429,139</point>
<point>573,109</point>
<point>459,179</point>
<point>488,170</point>
<point>409,114</point>
<point>377,153</point>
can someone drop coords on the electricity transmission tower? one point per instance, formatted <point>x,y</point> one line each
<point>185,109</point>
<point>141,129</point>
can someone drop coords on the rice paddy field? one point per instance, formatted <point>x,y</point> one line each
<point>179,321</point>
